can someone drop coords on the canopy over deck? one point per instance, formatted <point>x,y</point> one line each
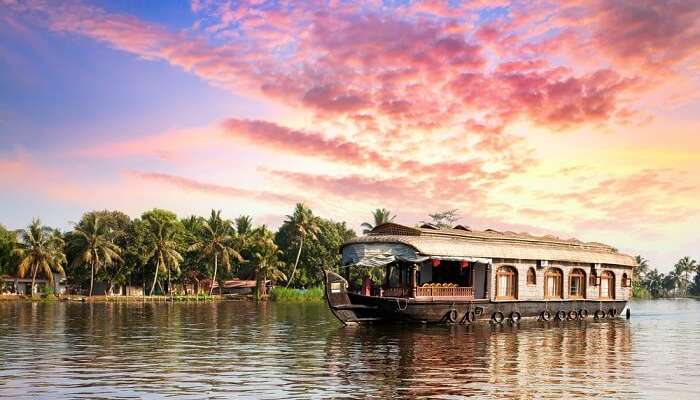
<point>389,242</point>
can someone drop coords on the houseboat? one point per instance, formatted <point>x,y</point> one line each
<point>456,275</point>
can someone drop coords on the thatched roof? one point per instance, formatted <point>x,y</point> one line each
<point>494,244</point>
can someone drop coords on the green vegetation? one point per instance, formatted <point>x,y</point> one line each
<point>218,240</point>
<point>7,243</point>
<point>287,295</point>
<point>650,283</point>
<point>160,252</point>
<point>39,249</point>
<point>91,244</point>
<point>381,216</point>
<point>304,224</point>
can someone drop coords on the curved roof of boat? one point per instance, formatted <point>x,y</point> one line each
<point>461,241</point>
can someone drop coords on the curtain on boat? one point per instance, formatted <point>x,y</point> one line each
<point>379,254</point>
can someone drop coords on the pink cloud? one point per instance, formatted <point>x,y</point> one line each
<point>186,184</point>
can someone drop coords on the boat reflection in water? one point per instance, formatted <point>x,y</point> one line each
<point>575,359</point>
<point>242,349</point>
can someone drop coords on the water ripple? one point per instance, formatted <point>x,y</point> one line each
<point>247,350</point>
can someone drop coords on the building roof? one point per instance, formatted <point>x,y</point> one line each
<point>462,242</point>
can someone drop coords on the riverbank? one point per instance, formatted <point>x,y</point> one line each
<point>280,295</point>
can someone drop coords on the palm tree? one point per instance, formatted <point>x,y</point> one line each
<point>305,224</point>
<point>164,249</point>
<point>91,242</point>
<point>265,255</point>
<point>682,269</point>
<point>641,269</point>
<point>381,216</point>
<point>218,241</point>
<point>669,282</point>
<point>40,249</point>
<point>653,281</point>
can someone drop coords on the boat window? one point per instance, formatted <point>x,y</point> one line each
<point>593,281</point>
<point>607,285</point>
<point>577,284</point>
<point>454,272</point>
<point>625,281</point>
<point>531,276</point>
<point>553,279</point>
<point>506,283</point>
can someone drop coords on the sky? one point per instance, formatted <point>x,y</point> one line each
<point>576,119</point>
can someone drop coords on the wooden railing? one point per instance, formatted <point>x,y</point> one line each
<point>459,291</point>
<point>396,292</point>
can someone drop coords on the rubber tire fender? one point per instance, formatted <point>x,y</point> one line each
<point>452,315</point>
<point>572,315</point>
<point>515,317</point>
<point>497,317</point>
<point>470,316</point>
<point>561,315</point>
<point>582,313</point>
<point>599,314</point>
<point>546,315</point>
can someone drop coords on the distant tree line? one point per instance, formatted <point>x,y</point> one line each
<point>682,281</point>
<point>159,251</point>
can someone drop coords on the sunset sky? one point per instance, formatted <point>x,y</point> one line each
<point>579,119</point>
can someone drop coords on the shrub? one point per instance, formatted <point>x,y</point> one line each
<point>288,295</point>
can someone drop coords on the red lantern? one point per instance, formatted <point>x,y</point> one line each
<point>436,262</point>
<point>464,264</point>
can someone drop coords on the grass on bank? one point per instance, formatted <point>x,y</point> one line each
<point>288,295</point>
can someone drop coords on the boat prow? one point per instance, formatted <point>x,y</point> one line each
<point>339,302</point>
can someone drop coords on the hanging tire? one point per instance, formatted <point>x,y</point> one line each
<point>546,316</point>
<point>470,316</point>
<point>599,314</point>
<point>452,316</point>
<point>515,317</point>
<point>612,313</point>
<point>561,315</point>
<point>582,313</point>
<point>572,315</point>
<point>497,317</point>
<point>628,314</point>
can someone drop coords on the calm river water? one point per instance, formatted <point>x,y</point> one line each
<point>245,350</point>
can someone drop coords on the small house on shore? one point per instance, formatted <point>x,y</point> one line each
<point>10,284</point>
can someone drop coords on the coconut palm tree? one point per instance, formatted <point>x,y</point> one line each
<point>306,225</point>
<point>381,216</point>
<point>669,282</point>
<point>92,243</point>
<point>39,248</point>
<point>682,270</point>
<point>163,249</point>
<point>641,269</point>
<point>653,281</point>
<point>218,240</point>
<point>265,255</point>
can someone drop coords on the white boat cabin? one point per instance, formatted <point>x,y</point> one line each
<point>430,263</point>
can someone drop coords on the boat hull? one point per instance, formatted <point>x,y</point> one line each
<point>352,308</point>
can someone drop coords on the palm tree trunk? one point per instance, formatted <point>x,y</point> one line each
<point>258,285</point>
<point>295,263</point>
<point>213,279</point>
<point>169,291</point>
<point>155,279</point>
<point>92,276</point>
<point>36,268</point>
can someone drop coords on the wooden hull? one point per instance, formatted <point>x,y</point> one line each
<point>352,308</point>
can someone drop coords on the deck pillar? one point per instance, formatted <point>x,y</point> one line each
<point>414,284</point>
<point>487,276</point>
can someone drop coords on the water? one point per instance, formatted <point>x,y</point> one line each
<point>240,349</point>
